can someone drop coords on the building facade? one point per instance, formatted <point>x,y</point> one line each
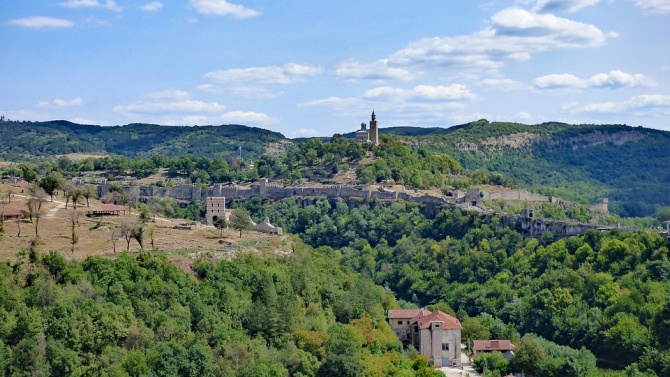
<point>371,135</point>
<point>436,335</point>
<point>216,208</point>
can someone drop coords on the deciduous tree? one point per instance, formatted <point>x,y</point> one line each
<point>240,220</point>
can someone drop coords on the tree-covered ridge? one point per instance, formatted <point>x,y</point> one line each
<point>61,137</point>
<point>140,315</point>
<point>607,292</point>
<point>629,165</point>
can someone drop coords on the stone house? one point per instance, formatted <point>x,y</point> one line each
<point>436,335</point>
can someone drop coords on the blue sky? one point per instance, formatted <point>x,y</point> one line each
<point>307,68</point>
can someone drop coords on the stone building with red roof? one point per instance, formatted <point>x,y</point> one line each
<point>503,346</point>
<point>436,335</point>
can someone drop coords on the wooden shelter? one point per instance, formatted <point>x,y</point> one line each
<point>13,213</point>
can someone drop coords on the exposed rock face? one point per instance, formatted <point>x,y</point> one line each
<point>517,140</point>
<point>595,138</point>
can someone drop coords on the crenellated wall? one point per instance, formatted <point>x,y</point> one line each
<point>354,197</point>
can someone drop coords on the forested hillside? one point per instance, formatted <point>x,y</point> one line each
<point>25,139</point>
<point>608,293</point>
<point>138,315</point>
<point>629,165</point>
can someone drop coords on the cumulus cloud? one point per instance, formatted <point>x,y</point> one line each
<point>60,103</point>
<point>454,92</point>
<point>379,70</point>
<point>637,103</point>
<point>108,4</point>
<point>501,83</point>
<point>514,34</point>
<point>552,6</point>
<point>223,8</point>
<point>168,94</point>
<point>152,6</point>
<point>170,102</point>
<point>613,79</point>
<point>654,6</point>
<point>418,104</point>
<point>287,74</point>
<point>39,22</point>
<point>248,117</point>
<point>190,106</point>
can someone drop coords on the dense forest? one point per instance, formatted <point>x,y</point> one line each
<point>605,292</point>
<point>572,306</point>
<point>138,315</point>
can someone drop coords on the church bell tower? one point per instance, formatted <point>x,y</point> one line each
<point>374,133</point>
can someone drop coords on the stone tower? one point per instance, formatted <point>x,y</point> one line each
<point>374,133</point>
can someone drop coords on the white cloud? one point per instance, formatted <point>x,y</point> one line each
<point>643,102</point>
<point>39,22</point>
<point>169,102</point>
<point>152,6</point>
<point>169,94</point>
<point>223,8</point>
<point>654,6</point>
<point>287,74</point>
<point>514,34</point>
<point>378,70</point>
<point>613,79</point>
<point>552,6</point>
<point>385,92</point>
<point>60,103</point>
<point>108,4</point>
<point>452,92</point>
<point>501,83</point>
<point>248,117</point>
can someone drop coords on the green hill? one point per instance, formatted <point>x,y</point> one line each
<point>630,165</point>
<point>60,137</point>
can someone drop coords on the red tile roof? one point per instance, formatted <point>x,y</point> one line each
<point>450,323</point>
<point>424,317</point>
<point>403,313</point>
<point>493,345</point>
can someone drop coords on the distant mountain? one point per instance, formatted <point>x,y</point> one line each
<point>629,165</point>
<point>61,137</point>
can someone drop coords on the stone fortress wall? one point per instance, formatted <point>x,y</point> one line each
<point>469,200</point>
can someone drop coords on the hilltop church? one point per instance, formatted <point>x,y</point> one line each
<point>365,135</point>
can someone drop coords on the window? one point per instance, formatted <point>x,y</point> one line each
<point>445,346</point>
<point>400,322</point>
